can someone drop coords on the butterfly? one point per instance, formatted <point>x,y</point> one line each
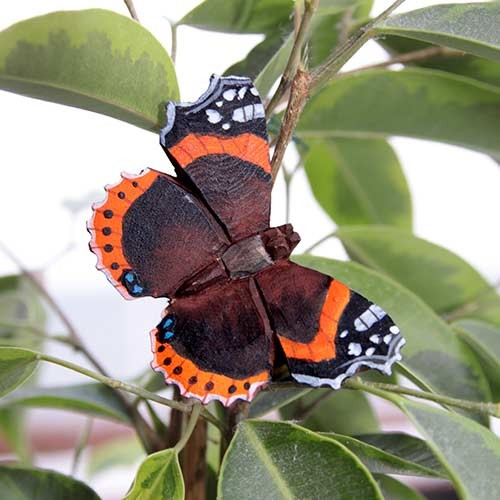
<point>237,305</point>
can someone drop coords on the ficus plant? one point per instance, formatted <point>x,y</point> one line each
<point>291,441</point>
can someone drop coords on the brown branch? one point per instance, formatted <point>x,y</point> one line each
<point>294,59</point>
<point>131,9</point>
<point>298,98</point>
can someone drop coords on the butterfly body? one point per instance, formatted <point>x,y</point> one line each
<point>202,239</point>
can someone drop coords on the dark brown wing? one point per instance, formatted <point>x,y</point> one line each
<point>215,344</point>
<point>327,331</point>
<point>219,145</point>
<point>150,235</point>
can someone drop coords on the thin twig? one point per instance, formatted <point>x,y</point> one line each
<point>195,414</point>
<point>409,57</point>
<point>298,97</point>
<point>131,9</point>
<point>81,445</point>
<point>344,52</point>
<point>133,389</point>
<point>294,59</point>
<point>492,409</point>
<point>322,240</point>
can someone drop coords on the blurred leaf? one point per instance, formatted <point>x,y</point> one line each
<point>28,483</point>
<point>13,431</point>
<point>442,279</point>
<point>392,489</point>
<point>280,460</point>
<point>343,412</point>
<point>271,400</point>
<point>415,102</point>
<point>358,181</point>
<point>403,454</point>
<point>91,399</point>
<point>117,452</point>
<point>469,27</point>
<point>478,68</point>
<point>240,16</point>
<point>159,478</point>
<point>92,59</point>
<point>469,452</point>
<point>484,339</point>
<point>433,355</point>
<point>20,305</point>
<point>16,366</point>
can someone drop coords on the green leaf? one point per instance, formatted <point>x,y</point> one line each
<point>159,478</point>
<point>358,181</point>
<point>393,454</point>
<point>91,399</point>
<point>433,355</point>
<point>16,366</point>
<point>344,412</point>
<point>392,489</point>
<point>478,68</point>
<point>14,432</point>
<point>283,461</point>
<point>91,59</point>
<point>439,277</point>
<point>271,400</point>
<point>468,451</point>
<point>23,483</point>
<point>484,339</point>
<point>437,106</point>
<point>121,451</point>
<point>469,27</point>
<point>240,16</point>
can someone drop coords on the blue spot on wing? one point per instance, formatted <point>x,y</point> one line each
<point>131,282</point>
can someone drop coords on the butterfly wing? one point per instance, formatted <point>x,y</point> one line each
<point>150,234</point>
<point>327,331</point>
<point>215,344</point>
<point>219,145</point>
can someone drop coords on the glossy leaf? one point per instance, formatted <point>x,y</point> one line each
<point>92,59</point>
<point>433,355</point>
<point>91,399</point>
<point>240,16</point>
<point>469,452</point>
<point>159,478</point>
<point>358,181</point>
<point>442,279</point>
<point>29,483</point>
<point>415,102</point>
<point>469,27</point>
<point>16,366</point>
<point>402,454</point>
<point>478,68</point>
<point>344,412</point>
<point>271,400</point>
<point>484,339</point>
<point>283,461</point>
<point>392,489</point>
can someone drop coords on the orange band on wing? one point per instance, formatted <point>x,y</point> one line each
<point>247,147</point>
<point>322,347</point>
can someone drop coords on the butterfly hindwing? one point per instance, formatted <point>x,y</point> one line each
<point>327,331</point>
<point>150,235</point>
<point>215,344</point>
<point>219,145</point>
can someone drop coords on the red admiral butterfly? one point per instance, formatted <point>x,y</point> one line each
<point>202,239</point>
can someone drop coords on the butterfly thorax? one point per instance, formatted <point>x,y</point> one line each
<point>247,257</point>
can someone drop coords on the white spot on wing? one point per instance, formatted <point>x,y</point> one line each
<point>375,339</point>
<point>344,334</point>
<point>387,339</point>
<point>394,329</point>
<point>219,103</point>
<point>354,349</point>
<point>370,351</point>
<point>229,94</point>
<point>242,92</point>
<point>213,115</point>
<point>254,91</point>
<point>259,111</point>
<point>226,126</point>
